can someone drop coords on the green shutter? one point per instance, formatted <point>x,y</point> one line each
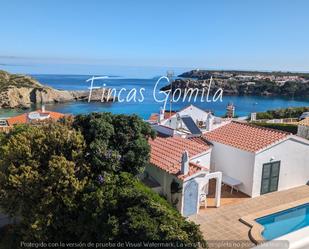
<point>270,177</point>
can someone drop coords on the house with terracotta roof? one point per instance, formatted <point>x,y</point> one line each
<point>179,169</point>
<point>35,116</point>
<point>187,122</point>
<point>263,160</point>
<point>303,128</point>
<point>252,159</point>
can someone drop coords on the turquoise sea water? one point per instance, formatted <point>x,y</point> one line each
<point>244,104</point>
<point>290,220</point>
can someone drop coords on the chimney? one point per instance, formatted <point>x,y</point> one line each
<point>161,115</point>
<point>253,116</point>
<point>209,122</point>
<point>43,108</point>
<point>185,163</point>
<point>230,110</point>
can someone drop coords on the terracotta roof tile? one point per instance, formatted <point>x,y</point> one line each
<point>20,119</point>
<point>155,116</point>
<point>23,118</point>
<point>166,154</point>
<point>245,136</point>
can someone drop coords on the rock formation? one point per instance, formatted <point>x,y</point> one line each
<point>20,91</point>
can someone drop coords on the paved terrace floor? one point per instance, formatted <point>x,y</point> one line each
<point>222,224</point>
<point>227,197</point>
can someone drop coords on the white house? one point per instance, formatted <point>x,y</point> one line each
<point>189,121</point>
<point>256,160</point>
<point>179,170</point>
<point>303,128</point>
<point>263,160</point>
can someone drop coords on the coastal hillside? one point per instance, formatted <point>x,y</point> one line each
<point>20,91</point>
<point>245,82</point>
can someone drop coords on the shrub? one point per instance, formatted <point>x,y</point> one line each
<point>291,112</point>
<point>291,128</point>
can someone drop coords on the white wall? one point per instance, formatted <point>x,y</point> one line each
<point>192,111</point>
<point>294,166</point>
<point>234,163</point>
<point>195,113</point>
<point>165,179</point>
<point>203,160</point>
<point>303,131</point>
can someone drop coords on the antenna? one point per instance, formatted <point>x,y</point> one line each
<point>170,75</point>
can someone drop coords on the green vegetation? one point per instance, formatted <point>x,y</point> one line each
<point>235,72</point>
<point>8,80</point>
<point>291,128</point>
<point>291,112</point>
<point>76,181</point>
<point>115,143</point>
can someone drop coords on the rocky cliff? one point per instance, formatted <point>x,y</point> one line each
<point>20,91</point>
<point>245,83</point>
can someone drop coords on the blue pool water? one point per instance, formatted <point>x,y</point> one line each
<point>287,221</point>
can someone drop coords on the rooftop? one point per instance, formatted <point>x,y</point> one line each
<point>245,136</point>
<point>166,154</point>
<point>155,116</point>
<point>37,115</point>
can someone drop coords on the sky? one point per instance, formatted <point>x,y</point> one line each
<point>148,36</point>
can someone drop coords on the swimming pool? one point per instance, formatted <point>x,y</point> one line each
<point>284,222</point>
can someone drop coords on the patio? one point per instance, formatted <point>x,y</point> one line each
<point>227,198</point>
<point>221,226</point>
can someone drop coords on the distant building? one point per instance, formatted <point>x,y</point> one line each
<point>230,110</point>
<point>303,128</point>
<point>40,115</point>
<point>253,116</point>
<point>189,121</point>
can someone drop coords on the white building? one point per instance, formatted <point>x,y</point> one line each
<point>303,128</point>
<point>263,160</point>
<point>179,170</point>
<point>253,159</point>
<point>189,121</point>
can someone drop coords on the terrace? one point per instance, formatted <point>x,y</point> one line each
<point>223,224</point>
<point>227,197</point>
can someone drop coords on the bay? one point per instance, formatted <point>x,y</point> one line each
<point>244,104</point>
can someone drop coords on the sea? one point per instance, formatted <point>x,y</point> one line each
<point>150,101</point>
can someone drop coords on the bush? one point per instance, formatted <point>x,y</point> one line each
<point>291,128</point>
<point>291,112</point>
<point>130,211</point>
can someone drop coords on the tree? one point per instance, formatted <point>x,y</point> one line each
<point>129,211</point>
<point>42,175</point>
<point>115,143</point>
<point>47,182</point>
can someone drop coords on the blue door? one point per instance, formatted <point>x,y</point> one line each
<point>190,198</point>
